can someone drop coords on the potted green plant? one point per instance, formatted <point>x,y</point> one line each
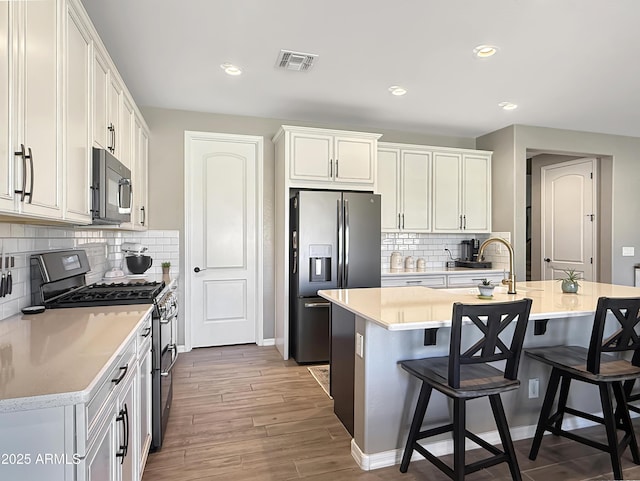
<point>166,266</point>
<point>570,281</point>
<point>486,288</point>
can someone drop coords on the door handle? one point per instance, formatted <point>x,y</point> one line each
<point>546,259</point>
<point>197,269</point>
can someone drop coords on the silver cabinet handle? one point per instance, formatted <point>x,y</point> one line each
<point>398,221</point>
<point>337,175</point>
<point>460,223</point>
<point>23,155</point>
<point>414,282</point>
<point>330,168</point>
<point>313,305</point>
<point>173,348</point>
<point>30,193</point>
<point>403,221</point>
<point>464,221</point>
<point>144,215</point>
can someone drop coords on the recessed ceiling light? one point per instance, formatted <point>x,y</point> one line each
<point>484,51</point>
<point>231,69</point>
<point>508,105</point>
<point>397,90</point>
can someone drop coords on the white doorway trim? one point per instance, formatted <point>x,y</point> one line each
<point>190,136</point>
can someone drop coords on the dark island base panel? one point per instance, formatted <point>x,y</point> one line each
<point>343,332</point>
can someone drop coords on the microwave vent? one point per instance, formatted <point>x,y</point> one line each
<point>296,61</point>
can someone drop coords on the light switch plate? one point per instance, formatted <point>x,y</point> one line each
<point>628,251</point>
<point>359,345</point>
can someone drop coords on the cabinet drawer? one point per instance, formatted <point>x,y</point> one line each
<point>122,365</point>
<point>470,280</point>
<point>143,335</point>
<point>426,281</point>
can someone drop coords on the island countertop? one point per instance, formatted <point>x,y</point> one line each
<point>406,308</point>
<point>54,358</point>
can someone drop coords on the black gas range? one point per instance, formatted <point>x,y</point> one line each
<point>58,281</point>
<point>100,294</point>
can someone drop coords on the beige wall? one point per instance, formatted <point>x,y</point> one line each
<point>166,172</point>
<point>510,147</point>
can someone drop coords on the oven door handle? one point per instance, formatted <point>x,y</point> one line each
<point>168,320</point>
<point>171,347</point>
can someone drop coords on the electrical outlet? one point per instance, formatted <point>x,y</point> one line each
<point>628,251</point>
<point>534,388</point>
<point>360,345</point>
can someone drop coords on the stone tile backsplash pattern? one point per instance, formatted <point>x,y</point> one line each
<point>102,246</point>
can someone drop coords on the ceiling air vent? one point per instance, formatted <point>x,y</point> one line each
<point>296,61</point>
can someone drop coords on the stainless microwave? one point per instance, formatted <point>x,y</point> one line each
<point>112,193</point>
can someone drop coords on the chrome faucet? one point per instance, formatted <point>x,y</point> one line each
<point>511,280</point>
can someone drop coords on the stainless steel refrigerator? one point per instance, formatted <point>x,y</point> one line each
<point>335,244</point>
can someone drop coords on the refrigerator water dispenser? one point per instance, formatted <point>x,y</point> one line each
<point>319,263</point>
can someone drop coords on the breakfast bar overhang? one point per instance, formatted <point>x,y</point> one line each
<point>398,323</point>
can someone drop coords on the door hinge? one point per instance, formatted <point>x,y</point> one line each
<point>591,175</point>
<point>592,260</point>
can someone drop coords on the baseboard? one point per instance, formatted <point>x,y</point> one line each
<point>392,457</point>
<point>182,348</point>
<point>268,342</point>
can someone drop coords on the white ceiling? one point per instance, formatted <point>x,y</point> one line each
<point>569,64</point>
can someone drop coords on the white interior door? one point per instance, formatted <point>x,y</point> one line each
<point>568,218</point>
<point>223,239</point>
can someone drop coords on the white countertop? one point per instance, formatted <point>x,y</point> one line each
<point>54,358</point>
<point>441,270</point>
<point>406,308</point>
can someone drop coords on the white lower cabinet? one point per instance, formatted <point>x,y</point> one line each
<point>104,439</point>
<point>448,280</point>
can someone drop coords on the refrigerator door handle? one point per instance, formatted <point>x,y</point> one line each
<point>313,305</point>
<point>346,244</point>
<point>340,246</point>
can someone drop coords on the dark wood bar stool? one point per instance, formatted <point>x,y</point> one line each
<point>468,375</point>
<point>599,364</point>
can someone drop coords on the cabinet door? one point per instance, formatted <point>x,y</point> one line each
<point>6,157</point>
<point>388,182</point>
<point>140,177</point>
<point>128,435</point>
<point>126,135</point>
<point>114,102</point>
<point>416,191</point>
<point>39,128</point>
<point>101,133</point>
<point>77,146</point>
<point>144,411</point>
<point>354,160</point>
<point>100,463</point>
<point>312,157</point>
<point>476,193</point>
<point>447,195</point>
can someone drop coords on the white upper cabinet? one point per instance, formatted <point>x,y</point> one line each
<point>35,160</point>
<point>77,143</point>
<point>404,181</point>
<point>139,211</point>
<point>59,95</point>
<point>329,158</point>
<point>461,192</point>
<point>102,137</point>
<point>6,157</point>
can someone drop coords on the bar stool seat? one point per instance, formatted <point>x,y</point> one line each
<point>600,364</point>
<point>468,374</point>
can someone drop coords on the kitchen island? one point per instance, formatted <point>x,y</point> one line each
<point>393,324</point>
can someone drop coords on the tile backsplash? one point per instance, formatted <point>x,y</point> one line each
<point>102,246</point>
<point>432,247</point>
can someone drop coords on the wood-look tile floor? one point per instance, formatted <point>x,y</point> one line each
<point>241,413</point>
